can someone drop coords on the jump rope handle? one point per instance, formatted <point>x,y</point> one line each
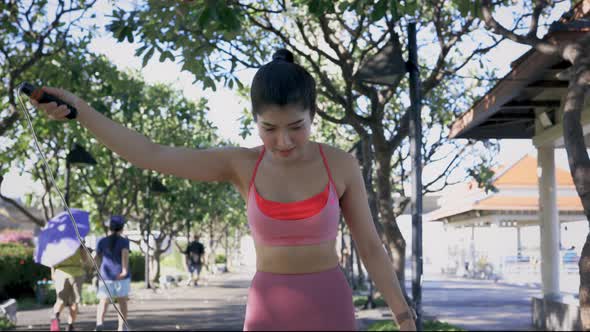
<point>43,97</point>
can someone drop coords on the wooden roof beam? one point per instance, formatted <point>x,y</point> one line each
<point>532,104</point>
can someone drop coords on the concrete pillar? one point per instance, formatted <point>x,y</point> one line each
<point>549,222</point>
<point>472,258</point>
<point>518,242</point>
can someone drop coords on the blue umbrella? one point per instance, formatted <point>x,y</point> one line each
<point>58,240</point>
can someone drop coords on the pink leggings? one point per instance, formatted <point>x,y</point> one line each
<point>311,301</point>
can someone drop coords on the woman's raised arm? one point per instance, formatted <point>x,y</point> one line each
<point>216,164</point>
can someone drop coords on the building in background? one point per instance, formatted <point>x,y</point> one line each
<point>501,230</point>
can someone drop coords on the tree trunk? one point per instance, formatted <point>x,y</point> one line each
<point>394,238</point>
<point>156,259</point>
<point>360,281</point>
<point>353,283</point>
<point>227,250</point>
<point>579,163</point>
<point>584,266</point>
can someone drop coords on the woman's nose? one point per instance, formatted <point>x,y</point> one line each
<point>284,140</point>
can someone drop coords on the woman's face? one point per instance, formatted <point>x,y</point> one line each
<point>284,130</point>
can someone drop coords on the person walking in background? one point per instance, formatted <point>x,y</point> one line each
<point>68,277</point>
<point>194,258</point>
<point>112,254</point>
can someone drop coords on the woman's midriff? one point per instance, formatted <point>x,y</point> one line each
<point>296,259</point>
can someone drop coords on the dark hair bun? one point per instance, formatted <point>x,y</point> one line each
<point>283,55</point>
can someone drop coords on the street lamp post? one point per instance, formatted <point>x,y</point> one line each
<point>77,155</point>
<point>153,185</point>
<point>387,68</point>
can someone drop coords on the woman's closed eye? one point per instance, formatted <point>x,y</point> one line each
<point>292,128</point>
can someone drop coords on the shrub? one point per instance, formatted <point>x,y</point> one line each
<point>137,266</point>
<point>220,259</point>
<point>45,293</point>
<point>17,236</point>
<point>19,272</point>
<point>6,324</point>
<point>89,295</point>
<point>362,300</point>
<point>174,260</point>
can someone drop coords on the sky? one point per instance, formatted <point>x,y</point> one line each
<point>226,107</point>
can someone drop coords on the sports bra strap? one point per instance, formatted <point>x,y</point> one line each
<point>262,154</point>
<point>326,164</point>
<point>256,168</point>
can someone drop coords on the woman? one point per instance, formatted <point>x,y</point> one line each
<point>112,254</point>
<point>294,189</point>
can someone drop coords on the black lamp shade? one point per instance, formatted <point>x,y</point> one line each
<point>80,156</point>
<point>387,67</point>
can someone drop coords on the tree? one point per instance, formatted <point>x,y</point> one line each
<point>577,53</point>
<point>32,31</point>
<point>215,39</point>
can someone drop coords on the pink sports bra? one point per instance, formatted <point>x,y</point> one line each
<point>310,221</point>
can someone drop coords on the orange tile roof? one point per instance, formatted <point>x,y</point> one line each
<point>524,173</point>
<point>565,203</point>
<point>521,174</point>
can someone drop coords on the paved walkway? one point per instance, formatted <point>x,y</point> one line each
<point>219,304</point>
<point>473,304</point>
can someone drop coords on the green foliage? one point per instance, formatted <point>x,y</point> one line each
<point>89,295</point>
<point>174,260</point>
<point>46,296</point>
<point>246,123</point>
<point>360,301</point>
<point>114,186</point>
<point>484,176</point>
<point>137,266</point>
<point>6,324</point>
<point>214,54</point>
<point>33,32</point>
<point>19,272</point>
<point>429,325</point>
<point>220,259</point>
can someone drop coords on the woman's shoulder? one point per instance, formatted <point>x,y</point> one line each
<point>245,153</point>
<point>343,165</point>
<point>245,158</point>
<point>244,163</point>
<point>338,156</point>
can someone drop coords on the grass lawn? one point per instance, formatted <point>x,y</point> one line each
<point>429,325</point>
<point>361,300</point>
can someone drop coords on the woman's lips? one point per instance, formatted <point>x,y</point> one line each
<point>286,153</point>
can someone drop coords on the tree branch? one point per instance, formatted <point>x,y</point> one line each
<point>533,41</point>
